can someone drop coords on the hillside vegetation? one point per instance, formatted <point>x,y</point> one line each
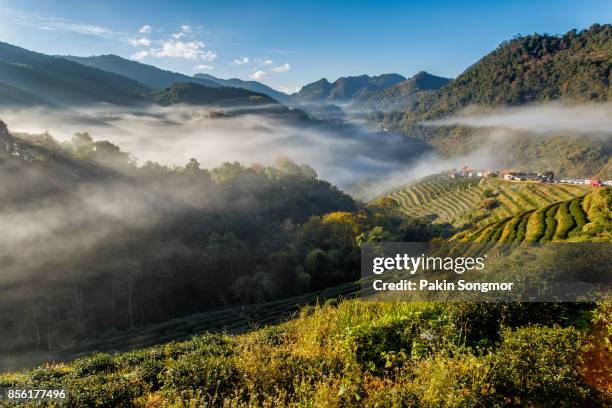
<point>358,354</point>
<point>587,217</point>
<point>194,94</point>
<point>534,68</point>
<point>573,68</point>
<point>476,200</point>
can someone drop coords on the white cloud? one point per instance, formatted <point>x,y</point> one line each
<point>209,56</point>
<point>542,119</point>
<point>282,68</point>
<point>140,55</point>
<point>52,23</point>
<point>259,74</point>
<point>204,66</point>
<point>145,29</point>
<point>137,42</point>
<point>193,50</point>
<point>241,61</point>
<point>185,31</point>
<point>81,28</point>
<point>289,89</point>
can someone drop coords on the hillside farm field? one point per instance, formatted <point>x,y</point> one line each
<point>477,200</point>
<point>570,220</point>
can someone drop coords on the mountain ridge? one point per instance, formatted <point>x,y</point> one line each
<point>402,93</point>
<point>62,81</point>
<point>153,77</point>
<point>344,89</point>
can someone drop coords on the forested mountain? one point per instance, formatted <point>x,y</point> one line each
<point>400,94</point>
<point>345,89</point>
<point>153,77</point>
<point>573,68</point>
<point>251,86</point>
<point>195,94</point>
<point>158,79</point>
<point>11,96</point>
<point>58,80</point>
<point>155,242</point>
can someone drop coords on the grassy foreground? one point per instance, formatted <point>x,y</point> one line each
<point>359,353</point>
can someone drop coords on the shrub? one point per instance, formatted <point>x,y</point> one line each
<point>98,363</point>
<point>102,391</point>
<point>211,375</point>
<point>578,214</point>
<point>551,224</point>
<point>540,366</point>
<point>536,225</point>
<point>521,232</point>
<point>566,221</point>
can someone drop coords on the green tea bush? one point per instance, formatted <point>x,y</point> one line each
<point>538,366</point>
<point>97,363</point>
<point>576,211</point>
<point>551,224</point>
<point>212,375</point>
<point>565,220</point>
<point>536,225</point>
<point>521,232</point>
<point>371,343</point>
<point>102,391</point>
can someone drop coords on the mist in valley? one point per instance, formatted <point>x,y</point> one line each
<point>537,119</point>
<point>340,153</point>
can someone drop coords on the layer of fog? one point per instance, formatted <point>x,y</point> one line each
<point>484,157</point>
<point>539,119</point>
<point>342,154</point>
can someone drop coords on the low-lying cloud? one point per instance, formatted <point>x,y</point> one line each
<point>343,154</point>
<point>541,119</point>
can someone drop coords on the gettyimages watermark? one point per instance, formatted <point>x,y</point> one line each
<point>455,272</point>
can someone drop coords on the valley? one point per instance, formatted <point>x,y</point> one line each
<point>183,239</point>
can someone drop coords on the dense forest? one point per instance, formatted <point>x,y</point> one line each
<point>539,67</point>
<point>120,245</point>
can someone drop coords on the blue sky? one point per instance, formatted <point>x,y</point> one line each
<point>286,44</point>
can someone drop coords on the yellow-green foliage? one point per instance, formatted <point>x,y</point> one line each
<point>565,221</point>
<point>536,225</point>
<point>587,218</point>
<point>356,353</point>
<point>476,201</point>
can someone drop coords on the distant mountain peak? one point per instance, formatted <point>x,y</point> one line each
<point>345,89</point>
<point>400,94</point>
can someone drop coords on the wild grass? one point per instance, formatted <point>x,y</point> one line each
<point>354,353</point>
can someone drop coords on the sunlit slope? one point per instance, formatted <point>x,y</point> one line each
<point>477,200</point>
<point>582,218</point>
<point>233,320</point>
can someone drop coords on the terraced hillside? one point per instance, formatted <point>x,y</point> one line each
<point>581,218</point>
<point>477,200</point>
